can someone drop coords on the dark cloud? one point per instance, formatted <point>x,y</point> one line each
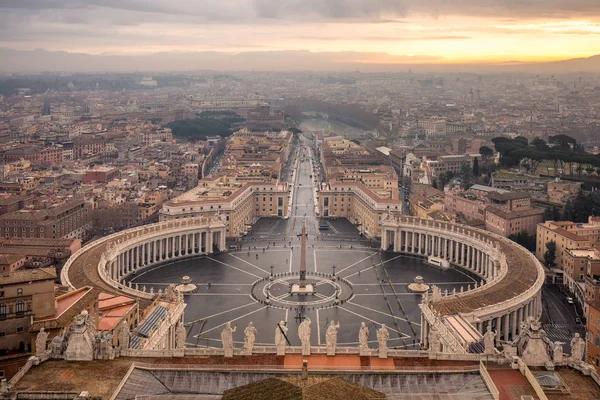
<point>244,10</point>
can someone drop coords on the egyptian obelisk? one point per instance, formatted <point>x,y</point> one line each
<point>302,287</point>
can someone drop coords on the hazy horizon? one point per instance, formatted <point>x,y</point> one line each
<point>407,31</point>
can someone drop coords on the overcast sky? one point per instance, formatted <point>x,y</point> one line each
<point>445,30</point>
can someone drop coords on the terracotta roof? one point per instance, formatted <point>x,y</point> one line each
<point>67,315</point>
<point>507,196</point>
<point>28,275</point>
<point>506,214</point>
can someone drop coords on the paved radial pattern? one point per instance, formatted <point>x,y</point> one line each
<point>371,287</point>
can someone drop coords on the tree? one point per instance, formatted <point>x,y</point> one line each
<point>486,153</point>
<point>563,141</point>
<point>547,215</point>
<point>539,144</point>
<point>466,173</point>
<point>550,254</point>
<point>524,239</point>
<point>476,167</point>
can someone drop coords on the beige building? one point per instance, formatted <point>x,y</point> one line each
<point>559,192</point>
<point>452,163</point>
<point>24,295</point>
<point>239,203</point>
<point>566,235</point>
<point>359,204</point>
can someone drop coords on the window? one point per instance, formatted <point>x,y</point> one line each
<point>19,329</point>
<point>20,308</point>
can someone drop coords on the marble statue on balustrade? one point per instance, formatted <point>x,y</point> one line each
<point>557,352</point>
<point>40,343</point>
<point>227,339</point>
<point>249,338</point>
<point>304,336</point>
<point>124,336</point>
<point>181,335</point>
<point>489,339</point>
<point>280,337</point>
<point>363,340</point>
<point>577,348</point>
<point>331,337</point>
<point>382,337</point>
<point>104,348</point>
<point>434,341</point>
<point>57,345</point>
<point>436,293</point>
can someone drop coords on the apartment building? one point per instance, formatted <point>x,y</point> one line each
<point>238,203</point>
<point>566,235</point>
<point>560,192</point>
<point>24,294</point>
<point>451,163</point>
<point>593,333</point>
<point>510,213</point>
<point>68,220</point>
<point>358,203</point>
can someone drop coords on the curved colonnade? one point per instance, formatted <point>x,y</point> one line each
<point>107,261</point>
<point>511,276</point>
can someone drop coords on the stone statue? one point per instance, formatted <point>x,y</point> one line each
<point>577,348</point>
<point>434,341</point>
<point>3,386</point>
<point>382,337</point>
<point>40,343</point>
<point>124,337</point>
<point>227,339</point>
<point>557,352</point>
<point>249,338</point>
<point>280,335</point>
<point>104,349</point>
<point>489,339</point>
<point>304,335</point>
<point>363,340</point>
<point>436,294</point>
<point>331,337</point>
<point>57,345</point>
<point>180,337</point>
<point>152,290</point>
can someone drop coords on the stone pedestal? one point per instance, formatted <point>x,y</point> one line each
<point>281,350</point>
<point>299,290</point>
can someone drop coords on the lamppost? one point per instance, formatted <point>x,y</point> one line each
<point>272,266</point>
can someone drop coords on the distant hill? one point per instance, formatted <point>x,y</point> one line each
<point>48,61</point>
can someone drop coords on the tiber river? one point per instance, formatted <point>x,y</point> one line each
<point>320,124</point>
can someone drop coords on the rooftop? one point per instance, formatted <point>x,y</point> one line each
<point>28,275</point>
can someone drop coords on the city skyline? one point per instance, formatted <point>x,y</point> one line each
<point>407,32</point>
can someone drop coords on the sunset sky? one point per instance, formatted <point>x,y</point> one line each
<point>439,31</point>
